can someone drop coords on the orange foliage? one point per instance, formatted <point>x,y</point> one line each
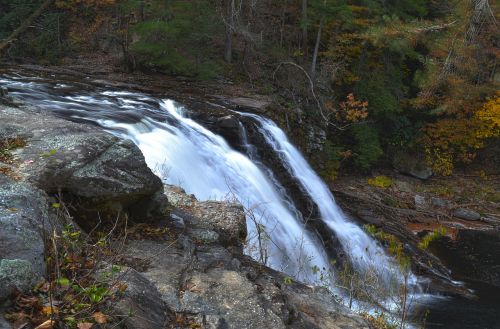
<point>350,110</point>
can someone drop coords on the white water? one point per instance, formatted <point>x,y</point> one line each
<point>190,156</point>
<point>364,252</point>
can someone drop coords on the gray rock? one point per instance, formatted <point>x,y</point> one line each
<point>420,201</point>
<point>4,92</point>
<point>141,303</point>
<point>467,214</point>
<point>226,218</point>
<point>206,236</point>
<point>84,162</point>
<point>252,104</point>
<point>316,139</point>
<point>228,122</point>
<point>23,212</point>
<point>438,202</point>
<point>412,164</point>
<point>15,274</point>
<point>217,286</point>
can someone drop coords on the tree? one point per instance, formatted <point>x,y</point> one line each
<point>24,26</point>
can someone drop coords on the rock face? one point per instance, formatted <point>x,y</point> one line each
<point>412,164</point>
<point>22,210</point>
<point>80,161</point>
<point>212,283</point>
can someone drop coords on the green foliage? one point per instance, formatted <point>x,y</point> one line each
<point>174,38</point>
<point>367,149</point>
<point>380,181</point>
<point>431,236</point>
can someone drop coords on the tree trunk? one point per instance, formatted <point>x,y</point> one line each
<point>4,45</point>
<point>304,26</point>
<point>228,43</point>
<point>316,49</point>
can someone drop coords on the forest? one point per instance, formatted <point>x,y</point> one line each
<point>377,76</point>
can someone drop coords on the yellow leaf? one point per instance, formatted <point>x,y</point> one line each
<point>100,317</point>
<point>49,310</point>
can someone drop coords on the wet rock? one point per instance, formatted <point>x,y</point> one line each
<point>369,217</point>
<point>228,122</point>
<point>467,214</point>
<point>316,138</point>
<point>3,92</point>
<point>412,164</point>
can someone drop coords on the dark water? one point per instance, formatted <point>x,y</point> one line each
<point>480,312</point>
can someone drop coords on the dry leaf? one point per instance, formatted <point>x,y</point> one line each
<point>85,325</point>
<point>49,310</point>
<point>49,324</point>
<point>100,317</point>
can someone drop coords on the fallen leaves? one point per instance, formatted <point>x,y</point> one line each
<point>100,317</point>
<point>49,324</point>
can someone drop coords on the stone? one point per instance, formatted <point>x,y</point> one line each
<point>216,286</point>
<point>467,214</point>
<point>85,163</point>
<point>23,212</point>
<point>228,122</point>
<point>141,302</point>
<point>227,219</point>
<point>412,164</point>
<point>251,104</point>
<point>438,202</point>
<point>420,201</point>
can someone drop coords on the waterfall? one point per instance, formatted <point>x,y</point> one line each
<point>185,153</point>
<point>364,252</point>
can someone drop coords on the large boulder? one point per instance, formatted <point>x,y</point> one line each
<point>83,163</point>
<point>412,164</point>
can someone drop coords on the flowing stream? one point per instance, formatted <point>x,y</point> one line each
<point>183,152</point>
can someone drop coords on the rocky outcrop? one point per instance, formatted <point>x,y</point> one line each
<point>211,282</point>
<point>84,164</point>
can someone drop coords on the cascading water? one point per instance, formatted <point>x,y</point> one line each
<point>187,154</point>
<point>365,253</point>
<point>201,162</point>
